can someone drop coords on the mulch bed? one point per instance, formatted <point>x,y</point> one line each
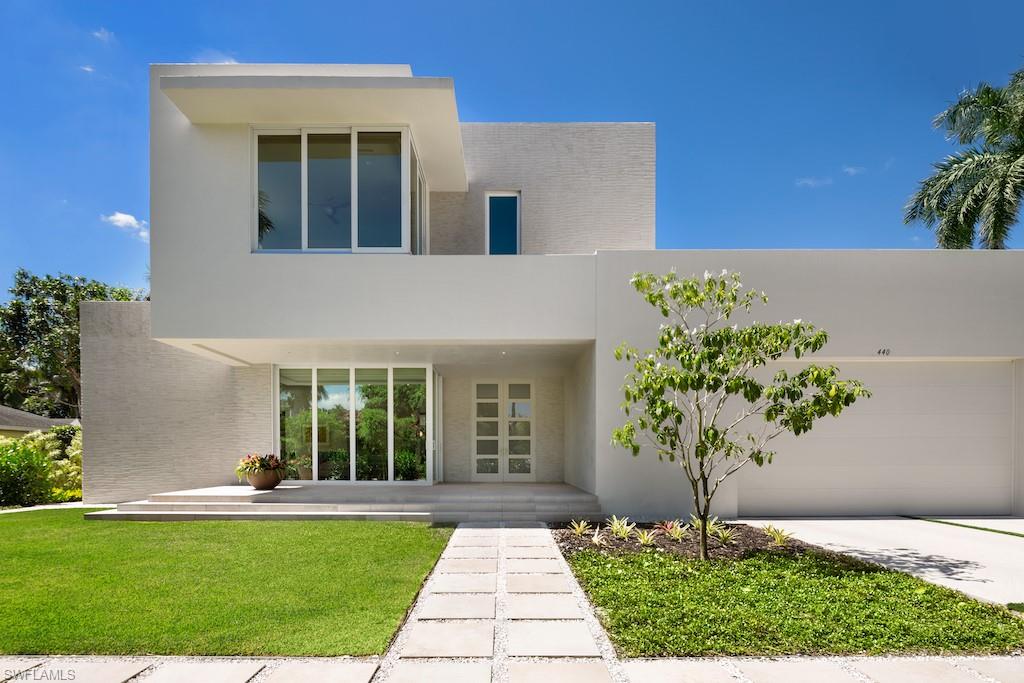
<point>747,540</point>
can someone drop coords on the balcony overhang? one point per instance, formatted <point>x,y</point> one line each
<point>426,105</point>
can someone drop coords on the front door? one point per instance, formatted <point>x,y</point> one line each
<point>502,438</point>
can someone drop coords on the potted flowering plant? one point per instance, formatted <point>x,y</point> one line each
<point>263,472</point>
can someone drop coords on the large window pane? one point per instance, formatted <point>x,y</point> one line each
<point>410,403</point>
<point>332,424</point>
<point>279,172</point>
<point>380,189</point>
<point>503,225</point>
<point>296,422</point>
<point>329,191</point>
<point>371,402</point>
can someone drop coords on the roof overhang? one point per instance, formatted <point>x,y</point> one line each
<point>426,105</point>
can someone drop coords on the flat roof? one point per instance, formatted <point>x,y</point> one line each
<point>328,94</point>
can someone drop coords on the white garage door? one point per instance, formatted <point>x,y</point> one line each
<point>935,438</point>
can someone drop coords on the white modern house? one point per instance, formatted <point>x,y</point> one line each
<point>419,313</point>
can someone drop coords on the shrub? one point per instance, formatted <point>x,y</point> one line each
<point>66,474</point>
<point>24,474</point>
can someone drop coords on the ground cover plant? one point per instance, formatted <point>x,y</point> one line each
<point>757,597</point>
<point>317,588</point>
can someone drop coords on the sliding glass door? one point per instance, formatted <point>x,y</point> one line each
<point>370,424</point>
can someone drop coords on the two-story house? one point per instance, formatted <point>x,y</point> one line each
<point>404,306</point>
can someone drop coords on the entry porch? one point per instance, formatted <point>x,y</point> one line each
<point>440,503</point>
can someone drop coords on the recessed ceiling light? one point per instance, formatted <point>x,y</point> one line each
<point>503,353</point>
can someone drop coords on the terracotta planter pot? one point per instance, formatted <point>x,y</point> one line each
<point>265,480</point>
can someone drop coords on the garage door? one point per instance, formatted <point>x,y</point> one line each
<point>935,438</point>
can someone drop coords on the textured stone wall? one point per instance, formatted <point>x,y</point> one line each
<point>156,418</point>
<point>584,187</point>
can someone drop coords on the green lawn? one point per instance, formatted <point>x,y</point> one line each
<point>775,603</point>
<point>207,588</point>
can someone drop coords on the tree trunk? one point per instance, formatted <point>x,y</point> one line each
<point>704,535</point>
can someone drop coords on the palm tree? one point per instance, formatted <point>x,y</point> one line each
<point>975,194</point>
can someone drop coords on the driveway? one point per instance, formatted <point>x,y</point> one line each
<point>982,564</point>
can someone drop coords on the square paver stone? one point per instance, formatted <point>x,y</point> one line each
<point>530,541</point>
<point>551,639</point>
<point>549,606</point>
<point>409,671</point>
<point>464,583</point>
<point>114,671</point>
<point>449,639</point>
<point>207,672</point>
<point>472,541</point>
<point>323,672</point>
<point>902,670</point>
<point>538,583</point>
<point>458,606</point>
<point>1003,669</point>
<point>533,566</point>
<point>531,551</point>
<point>562,672</point>
<point>794,671</point>
<point>469,553</point>
<point>676,671</point>
<point>12,666</point>
<point>464,566</point>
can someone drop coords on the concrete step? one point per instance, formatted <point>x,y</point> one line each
<point>192,515</point>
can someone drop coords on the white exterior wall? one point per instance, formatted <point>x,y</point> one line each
<point>155,418</point>
<point>946,318</point>
<point>583,187</point>
<point>580,423</point>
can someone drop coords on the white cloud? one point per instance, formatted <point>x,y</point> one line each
<point>812,182</point>
<point>854,170</point>
<point>214,57</point>
<point>87,68</point>
<point>129,223</point>
<point>103,35</point>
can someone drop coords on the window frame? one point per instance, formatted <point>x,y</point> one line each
<point>314,444</point>
<point>487,220</point>
<point>303,132</point>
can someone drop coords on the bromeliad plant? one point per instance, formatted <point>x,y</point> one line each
<point>580,527</point>
<point>699,399</point>
<point>255,462</point>
<point>620,527</point>
<point>647,537</point>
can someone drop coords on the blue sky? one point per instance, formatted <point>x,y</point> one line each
<point>780,124</point>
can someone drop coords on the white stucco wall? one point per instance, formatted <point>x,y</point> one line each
<point>155,418</point>
<point>945,310</point>
<point>583,187</point>
<point>580,422</point>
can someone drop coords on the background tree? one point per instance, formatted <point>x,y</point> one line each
<point>697,398</point>
<point>40,365</point>
<point>975,194</point>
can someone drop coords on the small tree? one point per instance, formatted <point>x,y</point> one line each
<point>697,399</point>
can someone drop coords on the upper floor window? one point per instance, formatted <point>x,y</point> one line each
<point>346,189</point>
<point>501,223</point>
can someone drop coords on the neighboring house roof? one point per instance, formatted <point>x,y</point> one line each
<point>12,419</point>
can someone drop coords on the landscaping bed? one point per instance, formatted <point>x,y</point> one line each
<point>755,598</point>
<point>297,588</point>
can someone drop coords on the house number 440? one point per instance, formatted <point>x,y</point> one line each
<point>884,352</point>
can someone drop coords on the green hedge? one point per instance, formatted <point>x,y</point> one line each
<point>42,467</point>
<point>24,474</point>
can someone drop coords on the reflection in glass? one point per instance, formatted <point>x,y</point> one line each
<point>410,408</point>
<point>487,410</point>
<point>519,391</point>
<point>332,424</point>
<point>518,465</point>
<point>380,189</point>
<point>487,446</point>
<point>487,466</point>
<point>487,391</point>
<point>486,428</point>
<point>329,191</point>
<point>519,446</point>
<point>519,409</point>
<point>279,173</point>
<point>296,422</point>
<point>519,428</point>
<point>371,403</point>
